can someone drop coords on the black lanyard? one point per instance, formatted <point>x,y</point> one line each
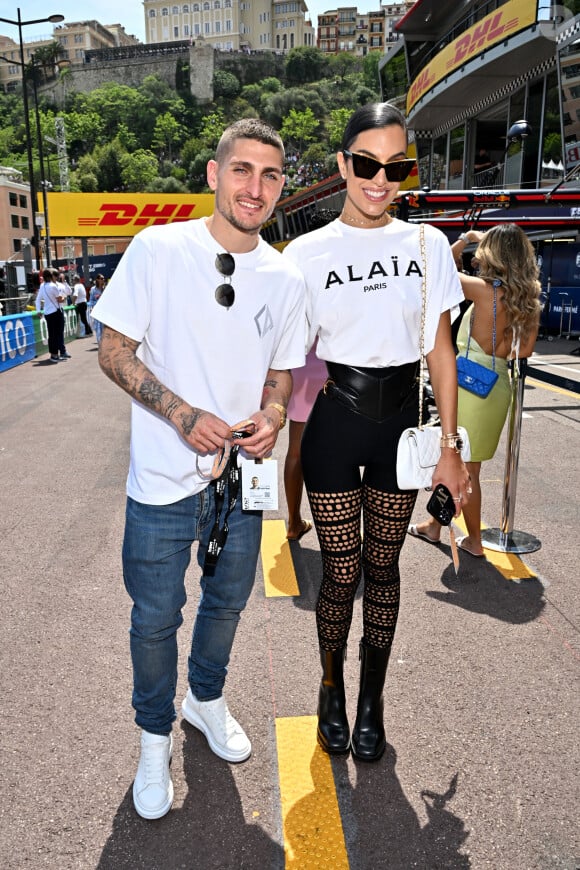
<point>230,478</point>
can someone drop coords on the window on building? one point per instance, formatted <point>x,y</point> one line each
<point>218,26</point>
<point>110,249</point>
<point>22,201</point>
<point>176,32</point>
<point>175,10</point>
<point>217,4</point>
<point>79,37</point>
<point>291,40</point>
<point>14,221</point>
<point>24,222</point>
<point>456,152</point>
<point>165,11</point>
<point>229,25</point>
<point>186,8</point>
<point>186,29</point>
<point>439,163</point>
<point>206,29</point>
<point>196,30</point>
<point>206,7</point>
<point>13,199</point>
<point>152,13</point>
<point>195,7</point>
<point>16,246</point>
<point>228,4</point>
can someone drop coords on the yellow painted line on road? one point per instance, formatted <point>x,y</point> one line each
<point>508,564</point>
<point>536,383</point>
<point>313,835</point>
<point>279,574</point>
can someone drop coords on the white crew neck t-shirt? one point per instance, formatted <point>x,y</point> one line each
<point>163,295</point>
<point>363,290</point>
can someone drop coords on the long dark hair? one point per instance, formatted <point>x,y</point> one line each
<point>373,116</point>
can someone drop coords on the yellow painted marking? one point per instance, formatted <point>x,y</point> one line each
<point>279,574</point>
<point>508,564</point>
<point>552,388</point>
<point>313,836</point>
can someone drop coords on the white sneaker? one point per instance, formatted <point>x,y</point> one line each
<point>225,736</point>
<point>153,789</point>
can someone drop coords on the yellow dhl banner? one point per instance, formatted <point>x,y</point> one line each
<point>121,214</point>
<point>493,28</point>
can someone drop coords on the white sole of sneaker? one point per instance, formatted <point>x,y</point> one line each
<point>191,716</point>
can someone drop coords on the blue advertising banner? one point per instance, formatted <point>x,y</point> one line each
<point>17,340</point>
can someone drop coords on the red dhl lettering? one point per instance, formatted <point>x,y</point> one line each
<point>420,85</point>
<point>485,33</point>
<point>152,213</point>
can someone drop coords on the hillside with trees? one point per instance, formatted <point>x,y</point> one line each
<point>157,138</point>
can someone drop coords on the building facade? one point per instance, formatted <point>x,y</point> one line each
<point>466,73</point>
<point>15,214</point>
<point>231,25</point>
<point>69,41</point>
<point>347,30</point>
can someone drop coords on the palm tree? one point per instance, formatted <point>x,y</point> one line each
<point>47,57</point>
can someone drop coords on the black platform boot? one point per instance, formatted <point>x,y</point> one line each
<point>333,732</point>
<point>368,736</point>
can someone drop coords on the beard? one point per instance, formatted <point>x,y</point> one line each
<point>249,225</point>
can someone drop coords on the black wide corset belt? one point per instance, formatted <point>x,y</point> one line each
<point>374,393</point>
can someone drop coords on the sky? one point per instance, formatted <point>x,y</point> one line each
<point>129,14</point>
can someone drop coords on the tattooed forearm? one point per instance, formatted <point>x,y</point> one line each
<point>277,388</point>
<point>118,359</point>
<point>151,393</point>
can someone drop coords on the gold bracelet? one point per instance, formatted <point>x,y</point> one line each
<point>281,410</point>
<point>453,440</point>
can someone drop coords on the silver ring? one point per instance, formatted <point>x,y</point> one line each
<point>457,499</point>
<point>469,491</point>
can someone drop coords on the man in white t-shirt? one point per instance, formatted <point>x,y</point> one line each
<point>202,322</point>
<point>79,296</point>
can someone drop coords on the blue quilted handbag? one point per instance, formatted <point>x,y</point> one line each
<point>472,375</point>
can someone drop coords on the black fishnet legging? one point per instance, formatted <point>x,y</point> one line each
<point>337,518</point>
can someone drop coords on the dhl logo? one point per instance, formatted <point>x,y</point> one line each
<point>127,214</point>
<point>421,84</point>
<point>487,32</point>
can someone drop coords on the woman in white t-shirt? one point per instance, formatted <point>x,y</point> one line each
<point>364,274</point>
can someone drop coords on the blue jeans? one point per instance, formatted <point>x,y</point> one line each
<point>156,555</point>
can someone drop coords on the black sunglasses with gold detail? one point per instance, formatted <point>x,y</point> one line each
<point>225,294</point>
<point>367,167</point>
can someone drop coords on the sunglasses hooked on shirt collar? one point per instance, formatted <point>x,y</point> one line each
<point>225,294</point>
<point>367,167</point>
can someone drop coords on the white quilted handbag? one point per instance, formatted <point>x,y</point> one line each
<point>418,453</point>
<point>419,447</point>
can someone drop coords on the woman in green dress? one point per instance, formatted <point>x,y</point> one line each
<point>507,282</point>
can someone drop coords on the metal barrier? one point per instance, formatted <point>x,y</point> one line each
<point>505,539</point>
<point>16,304</point>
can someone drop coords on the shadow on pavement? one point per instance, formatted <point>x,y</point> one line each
<point>210,823</point>
<point>384,829</point>
<point>480,588</point>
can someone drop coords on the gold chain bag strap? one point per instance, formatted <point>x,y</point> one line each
<point>419,448</point>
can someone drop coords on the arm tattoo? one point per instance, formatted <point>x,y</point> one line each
<point>118,359</point>
<point>188,421</point>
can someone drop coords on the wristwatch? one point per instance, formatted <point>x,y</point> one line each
<point>281,410</point>
<point>462,237</point>
<point>454,441</point>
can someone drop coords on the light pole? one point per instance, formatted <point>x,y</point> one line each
<point>43,182</point>
<point>19,23</point>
